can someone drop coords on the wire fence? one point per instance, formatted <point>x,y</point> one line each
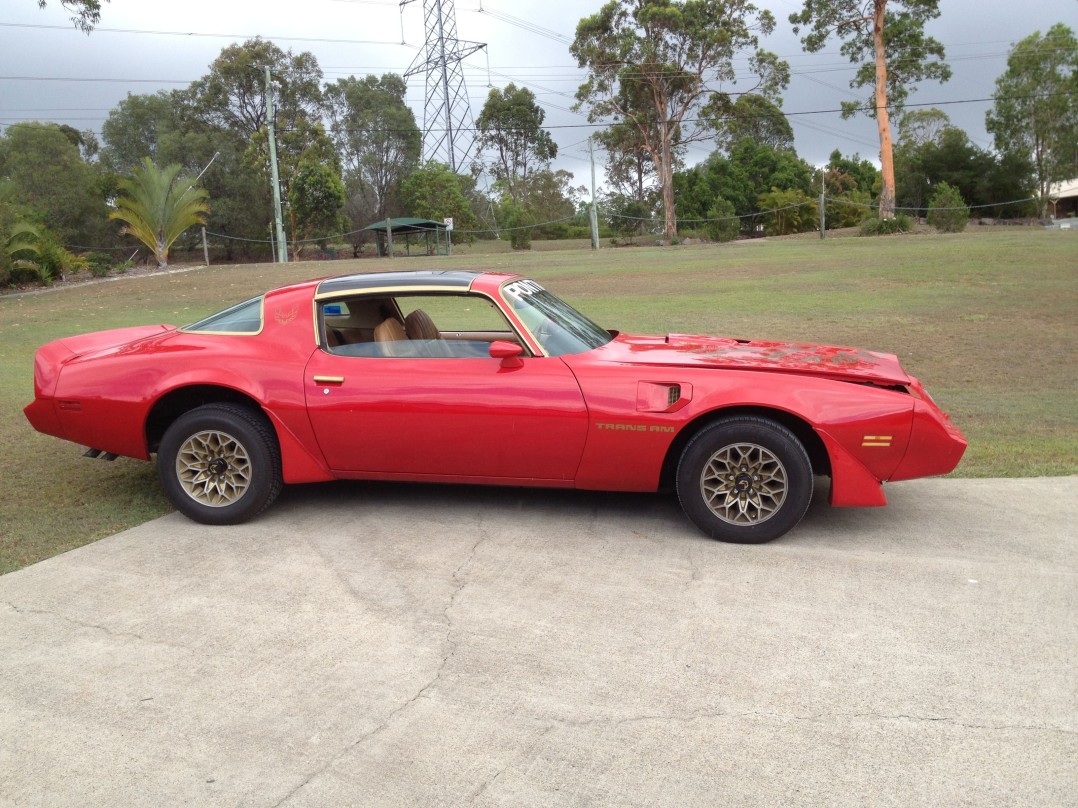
<point>496,232</point>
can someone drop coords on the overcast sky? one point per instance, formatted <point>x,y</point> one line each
<point>51,72</point>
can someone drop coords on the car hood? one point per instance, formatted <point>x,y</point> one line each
<point>694,350</point>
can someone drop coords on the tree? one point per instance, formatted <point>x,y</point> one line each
<point>48,174</point>
<point>751,170</point>
<point>850,183</point>
<point>376,134</point>
<point>233,95</point>
<point>136,127</point>
<point>949,156</point>
<point>305,142</point>
<point>511,125</point>
<point>435,192</point>
<point>920,126</point>
<point>790,211</point>
<point>901,55</point>
<point>229,106</point>
<point>551,196</point>
<point>315,199</point>
<point>753,116</point>
<point>85,13</point>
<point>629,169</point>
<point>157,205</point>
<point>947,211</point>
<point>655,65</point>
<point>167,128</point>
<point>724,224</point>
<point>1035,114</point>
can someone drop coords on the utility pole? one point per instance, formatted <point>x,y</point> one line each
<point>823,207</point>
<point>271,117</point>
<point>593,214</point>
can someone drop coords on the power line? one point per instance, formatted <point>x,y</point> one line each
<point>206,34</point>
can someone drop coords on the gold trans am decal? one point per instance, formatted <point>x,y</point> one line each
<point>877,440</point>
<point>637,427</point>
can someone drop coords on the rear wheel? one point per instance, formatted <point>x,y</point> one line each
<point>745,480</point>
<point>220,464</point>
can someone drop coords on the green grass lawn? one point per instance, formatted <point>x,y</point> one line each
<point>989,322</point>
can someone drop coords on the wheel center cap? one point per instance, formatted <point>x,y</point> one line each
<point>217,467</point>
<point>744,482</point>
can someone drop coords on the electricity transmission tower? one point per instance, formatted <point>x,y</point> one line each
<point>448,134</point>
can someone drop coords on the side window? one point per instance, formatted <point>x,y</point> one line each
<point>243,318</point>
<point>420,325</point>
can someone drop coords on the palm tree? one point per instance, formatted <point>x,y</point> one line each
<point>23,247</point>
<point>158,205</point>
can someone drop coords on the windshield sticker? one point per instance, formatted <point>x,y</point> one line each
<point>521,289</point>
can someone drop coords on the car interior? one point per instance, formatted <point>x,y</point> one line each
<point>432,326</point>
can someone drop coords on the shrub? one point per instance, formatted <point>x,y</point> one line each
<point>726,226</point>
<point>848,209</point>
<point>947,211</point>
<point>55,261</point>
<point>788,211</point>
<point>875,226</point>
<point>100,263</point>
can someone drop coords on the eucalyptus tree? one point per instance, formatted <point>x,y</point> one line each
<point>510,128</point>
<point>676,61</point>
<point>47,173</point>
<point>85,14</point>
<point>753,116</point>
<point>886,39</point>
<point>377,138</point>
<point>1035,114</point>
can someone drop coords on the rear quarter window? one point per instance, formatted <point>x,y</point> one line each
<point>243,318</point>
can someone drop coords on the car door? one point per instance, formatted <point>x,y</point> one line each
<point>446,416</point>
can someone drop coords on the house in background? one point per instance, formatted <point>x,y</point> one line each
<point>1063,198</point>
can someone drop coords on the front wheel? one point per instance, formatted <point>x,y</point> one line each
<point>220,464</point>
<point>746,480</point>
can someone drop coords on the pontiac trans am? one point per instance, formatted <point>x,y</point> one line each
<point>482,377</point>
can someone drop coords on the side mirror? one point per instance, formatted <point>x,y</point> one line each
<point>508,352</point>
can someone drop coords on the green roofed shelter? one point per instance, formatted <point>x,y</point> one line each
<point>435,235</point>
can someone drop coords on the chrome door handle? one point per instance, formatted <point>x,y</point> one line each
<point>329,379</point>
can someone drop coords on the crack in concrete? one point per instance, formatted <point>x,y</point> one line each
<point>97,627</point>
<point>461,583</point>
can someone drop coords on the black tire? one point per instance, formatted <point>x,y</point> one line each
<point>745,479</point>
<point>220,464</point>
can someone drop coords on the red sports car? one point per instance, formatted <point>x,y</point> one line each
<point>481,377</point>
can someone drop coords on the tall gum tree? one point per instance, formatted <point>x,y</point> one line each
<point>510,128</point>
<point>1035,114</point>
<point>377,137</point>
<point>886,37</point>
<point>666,68</point>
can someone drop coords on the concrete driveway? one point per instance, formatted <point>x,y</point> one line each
<point>378,645</point>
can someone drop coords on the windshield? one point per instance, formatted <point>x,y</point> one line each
<point>559,328</point>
